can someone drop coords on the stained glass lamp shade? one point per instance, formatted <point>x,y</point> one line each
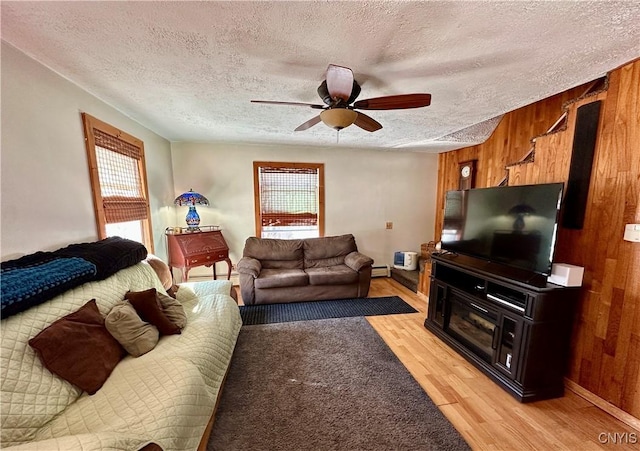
<point>191,199</point>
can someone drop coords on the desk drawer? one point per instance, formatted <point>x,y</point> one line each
<point>203,259</point>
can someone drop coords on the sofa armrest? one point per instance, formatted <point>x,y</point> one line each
<point>356,261</point>
<point>249,266</point>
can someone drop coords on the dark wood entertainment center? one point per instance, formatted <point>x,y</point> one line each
<point>514,327</point>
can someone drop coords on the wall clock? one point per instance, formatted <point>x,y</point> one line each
<point>467,173</point>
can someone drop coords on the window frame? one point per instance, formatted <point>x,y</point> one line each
<point>256,190</point>
<point>89,124</point>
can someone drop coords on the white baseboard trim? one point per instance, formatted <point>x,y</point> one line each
<point>612,410</point>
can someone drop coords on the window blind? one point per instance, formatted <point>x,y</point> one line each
<point>121,187</point>
<point>288,196</point>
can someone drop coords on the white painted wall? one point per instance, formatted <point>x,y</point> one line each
<point>363,190</point>
<point>46,200</point>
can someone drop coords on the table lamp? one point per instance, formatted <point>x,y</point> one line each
<point>520,211</point>
<point>192,199</point>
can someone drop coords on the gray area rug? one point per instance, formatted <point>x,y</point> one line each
<point>339,308</point>
<point>329,384</point>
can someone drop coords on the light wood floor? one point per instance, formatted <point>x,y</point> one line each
<point>487,416</point>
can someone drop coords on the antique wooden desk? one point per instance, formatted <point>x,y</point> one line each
<point>189,249</point>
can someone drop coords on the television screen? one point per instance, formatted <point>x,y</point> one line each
<point>511,225</point>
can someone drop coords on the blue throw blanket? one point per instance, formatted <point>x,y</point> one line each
<point>22,288</point>
<point>36,278</point>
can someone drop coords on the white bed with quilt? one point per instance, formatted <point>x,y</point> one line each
<point>164,397</point>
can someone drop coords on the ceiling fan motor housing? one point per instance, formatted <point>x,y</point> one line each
<point>323,92</point>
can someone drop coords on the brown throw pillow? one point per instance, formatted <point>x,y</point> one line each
<point>148,307</point>
<point>136,336</point>
<point>79,348</point>
<point>173,310</point>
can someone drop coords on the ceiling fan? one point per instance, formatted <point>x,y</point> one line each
<point>339,91</point>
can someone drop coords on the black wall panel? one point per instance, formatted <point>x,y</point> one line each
<point>584,146</point>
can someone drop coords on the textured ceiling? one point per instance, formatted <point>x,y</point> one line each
<point>188,70</point>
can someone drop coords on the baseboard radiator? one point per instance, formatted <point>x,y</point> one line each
<point>235,278</point>
<point>381,271</point>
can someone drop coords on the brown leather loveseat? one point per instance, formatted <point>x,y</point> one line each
<point>275,270</point>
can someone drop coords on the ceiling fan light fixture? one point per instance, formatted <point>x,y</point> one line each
<point>338,118</point>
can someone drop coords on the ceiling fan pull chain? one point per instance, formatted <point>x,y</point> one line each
<point>338,136</point>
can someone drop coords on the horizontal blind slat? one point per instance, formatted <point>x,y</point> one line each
<point>124,209</point>
<point>114,144</point>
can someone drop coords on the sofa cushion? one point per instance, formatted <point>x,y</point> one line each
<point>332,275</point>
<point>173,310</point>
<point>126,326</point>
<point>327,251</point>
<point>149,308</point>
<point>79,348</point>
<point>278,278</point>
<point>275,254</point>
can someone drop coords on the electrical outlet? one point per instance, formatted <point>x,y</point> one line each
<point>632,233</point>
<point>389,225</point>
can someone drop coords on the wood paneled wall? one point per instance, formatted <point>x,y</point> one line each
<point>510,141</point>
<point>605,356</point>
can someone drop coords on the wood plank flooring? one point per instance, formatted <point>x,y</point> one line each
<point>487,416</point>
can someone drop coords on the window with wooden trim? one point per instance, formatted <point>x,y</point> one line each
<point>118,182</point>
<point>289,199</point>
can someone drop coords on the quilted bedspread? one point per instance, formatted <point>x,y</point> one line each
<point>165,396</point>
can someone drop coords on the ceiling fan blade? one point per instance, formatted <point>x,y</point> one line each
<point>273,102</point>
<point>367,123</point>
<point>339,82</point>
<point>398,102</point>
<point>310,123</point>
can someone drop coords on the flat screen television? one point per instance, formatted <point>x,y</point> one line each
<point>512,225</point>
